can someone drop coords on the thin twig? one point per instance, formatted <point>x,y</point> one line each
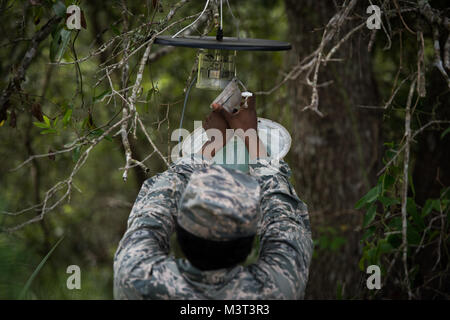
<point>405,187</point>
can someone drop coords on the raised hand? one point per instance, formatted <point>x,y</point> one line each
<point>244,118</point>
<point>244,122</point>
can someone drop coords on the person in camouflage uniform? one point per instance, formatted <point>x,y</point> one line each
<point>220,204</point>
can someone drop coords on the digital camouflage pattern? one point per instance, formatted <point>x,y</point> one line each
<point>220,204</point>
<point>143,268</point>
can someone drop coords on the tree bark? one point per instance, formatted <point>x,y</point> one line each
<point>335,157</point>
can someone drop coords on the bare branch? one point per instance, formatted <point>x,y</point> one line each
<point>437,55</point>
<point>39,36</point>
<point>405,186</point>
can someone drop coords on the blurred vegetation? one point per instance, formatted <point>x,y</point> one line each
<point>94,219</point>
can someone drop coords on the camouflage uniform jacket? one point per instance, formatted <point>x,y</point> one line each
<point>143,268</point>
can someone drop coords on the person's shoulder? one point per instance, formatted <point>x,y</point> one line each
<point>188,164</point>
<point>267,166</point>
<point>256,281</point>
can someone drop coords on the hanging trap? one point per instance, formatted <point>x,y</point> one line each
<point>217,55</point>
<point>217,69</point>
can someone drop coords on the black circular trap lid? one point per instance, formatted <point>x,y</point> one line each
<point>226,44</point>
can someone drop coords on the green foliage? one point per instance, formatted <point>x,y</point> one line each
<point>101,96</point>
<point>445,133</point>
<point>60,42</point>
<point>67,117</point>
<point>36,271</point>
<point>95,218</point>
<point>59,8</point>
<point>370,197</point>
<point>329,240</point>
<point>382,239</point>
<point>47,125</point>
<point>14,265</point>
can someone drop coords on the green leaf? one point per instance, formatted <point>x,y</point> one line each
<point>36,271</point>
<point>437,205</point>
<point>433,235</point>
<point>411,184</point>
<point>388,181</point>
<point>67,117</point>
<point>370,215</point>
<point>369,232</point>
<point>98,133</point>
<point>361,264</point>
<point>390,154</point>
<point>339,291</point>
<point>395,240</point>
<point>363,259</point>
<point>411,208</point>
<point>65,38</point>
<point>84,125</point>
<point>47,121</point>
<point>59,44</point>
<point>49,131</point>
<point>395,224</point>
<point>445,205</point>
<point>60,9</point>
<point>370,197</point>
<point>384,246</point>
<point>76,154</point>
<point>427,207</point>
<point>109,138</point>
<point>445,193</point>
<point>387,201</point>
<point>115,30</point>
<point>372,256</point>
<point>101,96</point>
<point>40,125</point>
<point>445,133</point>
<point>413,235</point>
<point>150,94</point>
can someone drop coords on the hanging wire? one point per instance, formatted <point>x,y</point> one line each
<point>219,36</point>
<point>201,14</point>
<point>221,15</point>
<point>235,20</point>
<point>184,105</point>
<point>242,84</point>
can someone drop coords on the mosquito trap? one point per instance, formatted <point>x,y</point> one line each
<point>217,71</point>
<point>216,68</point>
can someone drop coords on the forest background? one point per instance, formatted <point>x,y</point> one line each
<point>87,115</point>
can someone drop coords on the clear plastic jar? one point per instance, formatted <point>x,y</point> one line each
<point>216,68</point>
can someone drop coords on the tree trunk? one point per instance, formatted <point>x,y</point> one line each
<point>335,158</point>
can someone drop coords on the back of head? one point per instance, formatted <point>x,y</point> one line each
<point>211,255</point>
<point>218,217</point>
